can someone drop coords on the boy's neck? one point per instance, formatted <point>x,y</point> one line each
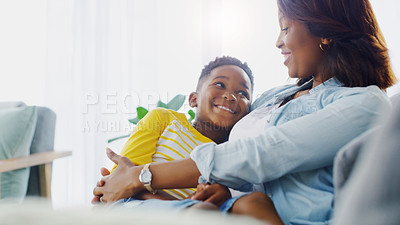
<point>215,133</point>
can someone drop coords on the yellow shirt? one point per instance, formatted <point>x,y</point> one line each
<point>163,135</point>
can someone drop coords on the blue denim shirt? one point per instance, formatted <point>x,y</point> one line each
<point>292,158</point>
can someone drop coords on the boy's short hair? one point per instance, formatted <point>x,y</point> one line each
<point>223,61</point>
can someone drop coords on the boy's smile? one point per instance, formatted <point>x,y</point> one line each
<point>226,108</point>
<point>225,105</point>
<point>223,97</point>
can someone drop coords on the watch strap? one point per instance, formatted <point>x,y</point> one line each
<point>148,185</point>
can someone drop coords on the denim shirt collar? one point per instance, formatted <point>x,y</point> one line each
<point>332,82</point>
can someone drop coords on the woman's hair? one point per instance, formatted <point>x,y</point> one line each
<point>357,55</point>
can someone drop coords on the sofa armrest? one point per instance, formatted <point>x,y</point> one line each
<point>42,159</point>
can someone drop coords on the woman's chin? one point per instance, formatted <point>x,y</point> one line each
<point>293,76</point>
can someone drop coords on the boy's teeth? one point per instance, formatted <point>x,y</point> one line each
<point>227,109</point>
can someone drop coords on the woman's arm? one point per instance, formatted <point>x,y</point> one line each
<point>306,143</point>
<point>124,181</point>
<point>175,174</point>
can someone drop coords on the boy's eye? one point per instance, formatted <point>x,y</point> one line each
<point>244,94</point>
<point>219,84</point>
<point>285,29</point>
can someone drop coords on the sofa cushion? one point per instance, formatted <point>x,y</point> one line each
<point>371,194</point>
<point>17,127</point>
<point>347,156</point>
<point>43,141</point>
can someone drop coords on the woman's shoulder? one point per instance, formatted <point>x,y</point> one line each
<point>371,95</point>
<point>372,91</point>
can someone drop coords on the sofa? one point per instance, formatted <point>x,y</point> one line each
<point>367,174</point>
<point>26,150</point>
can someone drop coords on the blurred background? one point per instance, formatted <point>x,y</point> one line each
<point>94,61</point>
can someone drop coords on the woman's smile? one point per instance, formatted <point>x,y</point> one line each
<point>287,56</point>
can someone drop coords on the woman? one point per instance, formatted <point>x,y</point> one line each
<point>288,142</point>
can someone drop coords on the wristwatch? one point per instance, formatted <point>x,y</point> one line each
<point>145,177</point>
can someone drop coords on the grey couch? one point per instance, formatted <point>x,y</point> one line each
<point>41,153</point>
<point>367,174</point>
<point>43,141</point>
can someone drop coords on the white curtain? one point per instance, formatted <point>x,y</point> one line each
<point>105,58</point>
<point>94,61</point>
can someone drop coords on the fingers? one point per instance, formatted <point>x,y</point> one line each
<point>95,200</point>
<point>100,183</point>
<point>215,199</point>
<point>112,155</point>
<point>103,192</point>
<point>202,186</point>
<point>214,193</point>
<point>203,194</point>
<point>104,171</point>
<point>97,195</point>
<point>97,192</point>
<point>117,159</point>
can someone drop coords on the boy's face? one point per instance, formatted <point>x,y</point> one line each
<point>223,97</point>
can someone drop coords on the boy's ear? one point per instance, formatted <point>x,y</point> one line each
<point>193,99</point>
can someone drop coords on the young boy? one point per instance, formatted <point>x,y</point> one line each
<point>222,97</point>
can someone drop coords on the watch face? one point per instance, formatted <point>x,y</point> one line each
<point>145,176</point>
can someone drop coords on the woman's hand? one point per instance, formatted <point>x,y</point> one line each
<point>104,172</point>
<point>122,183</point>
<point>214,193</point>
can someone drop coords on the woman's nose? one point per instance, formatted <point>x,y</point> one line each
<point>279,42</point>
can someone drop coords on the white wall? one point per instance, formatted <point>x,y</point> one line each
<point>23,50</point>
<point>387,13</point>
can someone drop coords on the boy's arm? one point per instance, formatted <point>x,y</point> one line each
<point>141,145</point>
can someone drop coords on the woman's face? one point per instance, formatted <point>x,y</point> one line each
<point>300,49</point>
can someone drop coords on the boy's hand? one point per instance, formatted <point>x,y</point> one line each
<point>214,193</point>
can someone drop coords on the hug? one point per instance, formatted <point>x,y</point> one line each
<point>278,149</point>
